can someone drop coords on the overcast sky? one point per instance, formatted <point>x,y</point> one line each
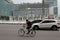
<point>26,1</point>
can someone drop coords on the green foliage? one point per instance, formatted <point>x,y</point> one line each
<point>4,17</point>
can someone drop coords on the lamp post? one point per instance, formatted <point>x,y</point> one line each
<point>43,11</point>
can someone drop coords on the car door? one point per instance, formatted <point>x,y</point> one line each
<point>45,24</point>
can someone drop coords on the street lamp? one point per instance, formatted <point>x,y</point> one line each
<point>43,11</point>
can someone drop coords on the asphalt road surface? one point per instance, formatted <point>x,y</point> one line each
<point>10,32</point>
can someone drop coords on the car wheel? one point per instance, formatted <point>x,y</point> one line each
<point>35,27</point>
<point>54,28</point>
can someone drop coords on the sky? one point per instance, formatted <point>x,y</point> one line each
<point>26,1</point>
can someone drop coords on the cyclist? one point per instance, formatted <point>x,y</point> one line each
<point>28,25</point>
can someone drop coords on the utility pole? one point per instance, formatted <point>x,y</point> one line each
<point>43,10</point>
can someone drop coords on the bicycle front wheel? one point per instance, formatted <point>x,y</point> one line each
<point>21,32</point>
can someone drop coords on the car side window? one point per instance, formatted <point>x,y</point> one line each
<point>48,21</point>
<point>36,21</point>
<point>45,21</point>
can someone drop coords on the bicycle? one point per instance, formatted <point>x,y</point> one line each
<point>22,32</point>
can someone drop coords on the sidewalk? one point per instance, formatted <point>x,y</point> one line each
<point>11,22</point>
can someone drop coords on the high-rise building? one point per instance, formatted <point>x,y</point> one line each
<point>59,8</point>
<point>53,7</point>
<point>6,8</point>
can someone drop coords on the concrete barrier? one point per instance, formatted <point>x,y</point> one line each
<point>13,22</point>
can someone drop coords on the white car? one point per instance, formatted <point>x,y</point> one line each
<point>47,23</point>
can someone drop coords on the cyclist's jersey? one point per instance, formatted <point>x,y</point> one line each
<point>29,25</point>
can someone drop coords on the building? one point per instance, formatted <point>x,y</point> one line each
<point>53,7</point>
<point>59,8</point>
<point>51,2</point>
<point>30,11</point>
<point>6,9</point>
<point>27,10</point>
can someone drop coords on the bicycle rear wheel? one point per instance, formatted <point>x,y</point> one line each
<point>21,32</point>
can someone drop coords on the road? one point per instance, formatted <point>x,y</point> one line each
<point>9,32</point>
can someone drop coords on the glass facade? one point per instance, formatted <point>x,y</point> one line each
<point>31,13</point>
<point>55,11</point>
<point>36,11</point>
<point>53,6</point>
<point>51,2</point>
<point>6,8</point>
